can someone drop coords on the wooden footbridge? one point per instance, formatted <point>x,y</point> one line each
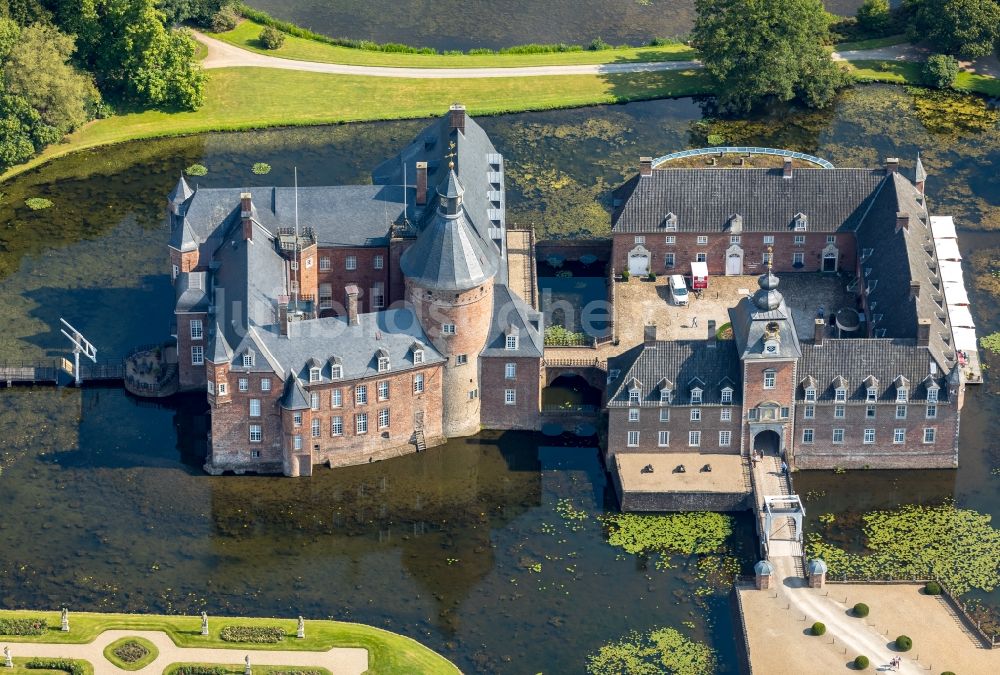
<point>59,372</point>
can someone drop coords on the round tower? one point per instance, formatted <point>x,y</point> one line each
<point>449,273</point>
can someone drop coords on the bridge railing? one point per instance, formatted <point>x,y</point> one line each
<point>576,363</point>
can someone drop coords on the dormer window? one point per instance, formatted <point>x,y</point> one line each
<point>670,221</point>
<point>736,224</point>
<point>810,393</point>
<point>901,395</point>
<point>872,394</point>
<point>336,372</point>
<point>696,396</point>
<point>840,394</point>
<point>418,355</point>
<point>511,343</point>
<point>633,396</point>
<point>665,395</point>
<point>932,394</point>
<point>801,222</point>
<point>248,359</point>
<point>383,360</point>
<point>727,395</point>
<point>314,374</point>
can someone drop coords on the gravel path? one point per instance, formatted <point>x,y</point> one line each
<point>339,660</point>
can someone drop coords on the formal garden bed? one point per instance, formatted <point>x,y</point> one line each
<point>39,666</point>
<point>216,669</point>
<point>131,653</point>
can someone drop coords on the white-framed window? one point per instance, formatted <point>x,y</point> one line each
<point>696,396</point>
<point>243,384</point>
<point>633,414</point>
<point>769,379</point>
<point>665,395</point>
<point>211,387</point>
<point>175,271</point>
<point>930,433</point>
<point>337,426</point>
<point>840,394</point>
<point>314,400</point>
<point>461,359</point>
<point>869,436</point>
<point>297,419</point>
<point>361,394</point>
<point>839,412</point>
<point>633,439</point>
<point>870,411</point>
<point>726,415</point>
<point>418,383</point>
<point>900,412</point>
<point>294,264</point>
<point>932,395</point>
<point>383,364</point>
<point>901,395</point>
<point>297,442</point>
<point>309,263</point>
<point>221,388</point>
<point>663,439</point>
<point>664,414</point>
<point>807,435</point>
<point>325,296</point>
<point>800,239</point>
<point>765,258</point>
<point>838,436</point>
<point>247,360</point>
<point>255,407</point>
<point>324,264</point>
<point>197,330</point>
<point>314,374</point>
<point>448,329</point>
<point>639,239</point>
<point>670,240</point>
<point>702,240</point>
<point>418,356</point>
<point>361,423</point>
<point>383,418</point>
<point>382,389</point>
<point>931,412</point>
<point>898,436</point>
<point>256,433</point>
<point>668,260</point>
<point>336,371</point>
<point>694,439</point>
<point>633,396</point>
<point>510,396</point>
<point>809,412</point>
<point>695,414</point>
<point>768,239</point>
<point>351,262</point>
<point>798,258</point>
<point>316,429</point>
<point>255,454</point>
<point>810,393</point>
<point>871,394</point>
<point>511,343</point>
<point>701,257</point>
<point>727,395</point>
<point>784,413</point>
<point>734,239</point>
<point>336,398</point>
<point>378,262</point>
<point>725,438</point>
<point>510,371</point>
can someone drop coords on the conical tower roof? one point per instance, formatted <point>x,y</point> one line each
<point>449,255</point>
<point>181,191</point>
<point>921,173</point>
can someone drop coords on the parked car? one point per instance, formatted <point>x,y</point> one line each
<point>678,290</point>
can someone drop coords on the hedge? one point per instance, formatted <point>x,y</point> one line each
<point>65,665</point>
<point>27,626</point>
<point>200,670</point>
<point>257,634</point>
<point>861,609</point>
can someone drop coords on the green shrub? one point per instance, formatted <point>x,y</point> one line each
<point>65,665</point>
<point>598,45</point>
<point>861,663</point>
<point>651,276</point>
<point>940,71</point>
<point>196,170</point>
<point>480,51</point>
<point>224,20</point>
<point>873,16</point>
<point>818,628</point>
<point>33,625</point>
<point>904,643</point>
<point>37,203</point>
<point>932,588</point>
<point>947,672</point>
<point>271,38</point>
<point>861,609</point>
<point>200,670</point>
<point>626,275</point>
<point>256,634</point>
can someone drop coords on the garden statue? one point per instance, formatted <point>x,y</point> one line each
<point>301,632</point>
<point>246,668</point>
<point>204,623</point>
<point>65,621</point>
<point>7,661</point>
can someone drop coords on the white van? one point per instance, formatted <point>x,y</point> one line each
<point>678,290</point>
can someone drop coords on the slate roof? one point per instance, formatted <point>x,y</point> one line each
<point>704,199</point>
<point>856,359</point>
<point>681,362</point>
<point>395,330</point>
<point>510,310</point>
<point>181,191</point>
<point>294,396</point>
<point>191,289</point>
<point>751,316</point>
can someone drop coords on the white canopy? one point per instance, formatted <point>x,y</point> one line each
<point>951,272</point>
<point>943,227</point>
<point>947,249</point>
<point>699,269</point>
<point>960,316</point>
<point>965,339</point>
<point>955,294</point>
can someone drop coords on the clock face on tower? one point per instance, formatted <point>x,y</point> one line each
<point>771,347</point>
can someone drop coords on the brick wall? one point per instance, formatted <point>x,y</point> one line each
<point>397,283</point>
<point>365,276</point>
<point>527,385</point>
<point>231,448</point>
<point>680,423</point>
<point>185,262</point>
<point>307,272</point>
<point>190,376</point>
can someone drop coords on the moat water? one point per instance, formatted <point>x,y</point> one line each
<point>103,504</point>
<point>465,24</point>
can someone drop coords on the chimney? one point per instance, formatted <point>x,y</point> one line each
<point>421,183</point>
<point>891,165</point>
<point>352,304</point>
<point>914,289</point>
<point>246,215</point>
<point>923,332</point>
<point>786,172</point>
<point>712,339</point>
<point>819,332</point>
<point>649,335</point>
<point>902,220</point>
<point>456,117</point>
<point>645,166</point>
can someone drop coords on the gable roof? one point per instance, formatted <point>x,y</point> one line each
<point>511,312</point>
<point>681,362</point>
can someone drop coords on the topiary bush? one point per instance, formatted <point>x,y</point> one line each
<point>940,71</point>
<point>271,38</point>
<point>200,670</point>
<point>861,663</point>
<point>818,628</point>
<point>861,609</point>
<point>904,643</point>
<point>947,672</point>
<point>256,634</point>
<point>29,626</point>
<point>932,588</point>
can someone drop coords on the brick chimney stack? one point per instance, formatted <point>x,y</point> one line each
<point>649,335</point>
<point>421,183</point>
<point>786,172</point>
<point>891,165</point>
<point>456,117</point>
<point>246,215</point>
<point>352,304</point>
<point>902,220</point>
<point>923,332</point>
<point>819,332</point>
<point>645,166</point>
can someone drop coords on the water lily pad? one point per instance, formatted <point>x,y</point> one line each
<point>196,170</point>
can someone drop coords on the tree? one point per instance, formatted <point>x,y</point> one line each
<point>968,28</point>
<point>873,16</point>
<point>766,49</point>
<point>22,130</point>
<point>272,38</point>
<point>39,71</point>
<point>199,11</point>
<point>223,20</point>
<point>940,71</point>
<point>9,34</point>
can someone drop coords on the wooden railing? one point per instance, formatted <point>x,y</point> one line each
<point>576,363</point>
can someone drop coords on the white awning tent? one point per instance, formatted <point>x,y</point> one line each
<point>960,316</point>
<point>699,269</point>
<point>943,227</point>
<point>955,294</point>
<point>951,272</point>
<point>965,339</point>
<point>947,249</point>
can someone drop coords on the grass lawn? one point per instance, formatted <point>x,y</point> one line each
<point>897,72</point>
<point>246,33</point>
<point>238,670</point>
<point>387,652</point>
<point>248,98</point>
<point>151,653</point>
<point>874,43</point>
<point>19,668</point>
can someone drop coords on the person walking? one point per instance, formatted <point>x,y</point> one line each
<point>784,468</point>
<point>694,322</point>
